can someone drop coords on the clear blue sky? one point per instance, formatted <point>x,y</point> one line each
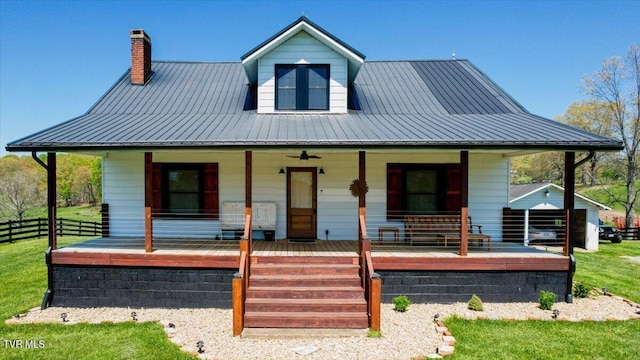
<point>58,57</point>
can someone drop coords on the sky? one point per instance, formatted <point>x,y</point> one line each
<point>57,58</point>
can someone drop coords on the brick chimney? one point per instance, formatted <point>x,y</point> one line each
<point>140,57</point>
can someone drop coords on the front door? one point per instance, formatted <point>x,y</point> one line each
<point>301,203</point>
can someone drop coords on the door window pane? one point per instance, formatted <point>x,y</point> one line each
<point>301,190</point>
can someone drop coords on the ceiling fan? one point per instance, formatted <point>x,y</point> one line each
<point>305,156</point>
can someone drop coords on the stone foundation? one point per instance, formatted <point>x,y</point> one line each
<point>97,286</point>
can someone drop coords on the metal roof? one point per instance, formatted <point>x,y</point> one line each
<point>293,24</point>
<point>520,191</point>
<point>431,104</point>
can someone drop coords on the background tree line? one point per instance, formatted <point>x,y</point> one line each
<point>23,183</point>
<point>612,110</point>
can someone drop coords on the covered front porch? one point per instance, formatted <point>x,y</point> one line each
<point>388,255</point>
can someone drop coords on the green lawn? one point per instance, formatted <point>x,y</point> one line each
<point>607,268</point>
<point>81,212</point>
<point>487,339</point>
<point>23,279</point>
<point>490,339</point>
<point>606,196</point>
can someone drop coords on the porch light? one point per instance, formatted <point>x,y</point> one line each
<point>281,170</point>
<point>133,316</point>
<point>172,326</point>
<point>556,313</point>
<point>605,291</point>
<point>200,345</point>
<point>321,172</point>
<point>546,193</point>
<point>16,316</point>
<point>435,317</point>
<point>63,316</point>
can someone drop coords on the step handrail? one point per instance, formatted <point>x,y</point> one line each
<point>373,291</point>
<point>238,294</point>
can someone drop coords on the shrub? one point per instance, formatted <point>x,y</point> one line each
<point>475,303</point>
<point>401,303</point>
<point>546,300</point>
<point>374,334</point>
<point>580,290</point>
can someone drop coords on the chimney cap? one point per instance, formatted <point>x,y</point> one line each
<point>139,34</point>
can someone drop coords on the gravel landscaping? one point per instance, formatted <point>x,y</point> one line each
<point>404,335</point>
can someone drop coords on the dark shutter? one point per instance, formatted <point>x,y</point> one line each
<point>454,194</point>
<point>395,192</point>
<point>211,209</point>
<point>156,189</point>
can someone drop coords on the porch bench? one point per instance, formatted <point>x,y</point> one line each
<point>434,228</point>
<point>263,216</point>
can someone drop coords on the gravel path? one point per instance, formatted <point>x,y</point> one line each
<point>405,335</point>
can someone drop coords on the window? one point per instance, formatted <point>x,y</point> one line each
<point>302,87</point>
<point>422,189</point>
<point>185,190</point>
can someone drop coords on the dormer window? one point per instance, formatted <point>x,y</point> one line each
<point>302,87</point>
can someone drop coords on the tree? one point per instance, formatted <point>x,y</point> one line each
<point>79,179</point>
<point>593,116</point>
<point>617,85</point>
<point>22,186</point>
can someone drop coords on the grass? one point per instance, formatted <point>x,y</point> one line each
<point>23,279</point>
<point>490,339</point>
<point>607,268</point>
<point>603,196</point>
<point>81,212</point>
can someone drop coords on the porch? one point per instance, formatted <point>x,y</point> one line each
<point>388,255</point>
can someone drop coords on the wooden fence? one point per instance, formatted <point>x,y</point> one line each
<point>34,228</point>
<point>632,233</point>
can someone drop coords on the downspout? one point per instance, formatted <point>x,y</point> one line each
<point>48,295</point>
<point>572,231</point>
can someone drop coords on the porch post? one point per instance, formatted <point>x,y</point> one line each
<point>248,161</point>
<point>569,200</point>
<point>464,202</point>
<point>148,195</point>
<point>362,201</point>
<point>569,207</point>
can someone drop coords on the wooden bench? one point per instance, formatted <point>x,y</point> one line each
<point>434,228</point>
<point>232,219</point>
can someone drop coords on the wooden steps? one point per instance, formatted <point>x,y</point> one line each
<point>305,292</point>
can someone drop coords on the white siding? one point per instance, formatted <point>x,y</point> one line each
<point>123,190</point>
<point>337,209</point>
<point>302,49</point>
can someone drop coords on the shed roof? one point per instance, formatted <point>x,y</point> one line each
<point>520,191</point>
<point>431,104</point>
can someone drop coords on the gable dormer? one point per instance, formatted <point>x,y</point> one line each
<point>302,68</point>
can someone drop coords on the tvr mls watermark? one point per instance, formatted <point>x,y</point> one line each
<point>23,344</point>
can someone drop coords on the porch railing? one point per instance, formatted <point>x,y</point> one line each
<point>371,280</point>
<point>241,278</point>
<point>503,227</point>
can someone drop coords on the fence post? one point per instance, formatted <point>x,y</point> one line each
<point>10,232</point>
<point>105,220</point>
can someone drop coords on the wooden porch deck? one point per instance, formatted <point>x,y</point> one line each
<point>208,253</point>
